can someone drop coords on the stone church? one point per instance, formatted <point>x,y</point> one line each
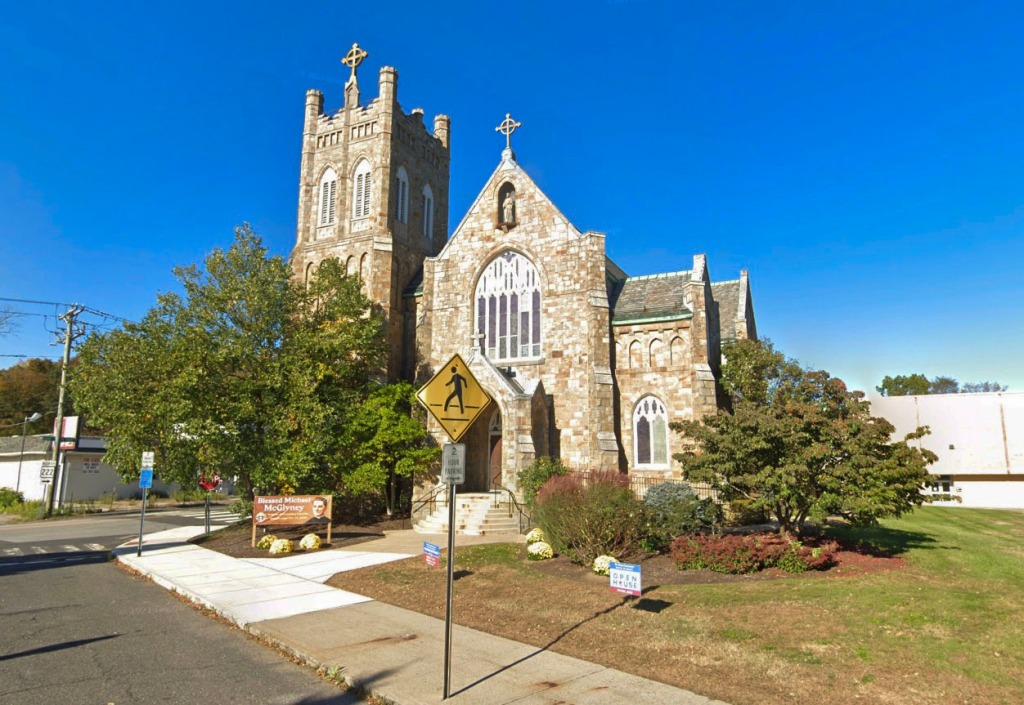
<point>582,361</point>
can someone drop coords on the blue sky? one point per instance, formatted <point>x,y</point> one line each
<point>865,161</point>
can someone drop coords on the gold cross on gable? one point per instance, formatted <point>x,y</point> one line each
<point>354,57</point>
<point>507,127</point>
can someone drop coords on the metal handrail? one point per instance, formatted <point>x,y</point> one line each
<point>431,499</point>
<point>513,503</point>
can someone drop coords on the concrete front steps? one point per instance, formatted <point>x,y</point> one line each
<point>476,514</point>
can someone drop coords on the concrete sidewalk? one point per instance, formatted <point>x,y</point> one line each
<point>392,653</point>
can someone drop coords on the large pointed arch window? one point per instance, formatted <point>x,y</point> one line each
<point>328,196</point>
<point>362,189</point>
<point>508,314</point>
<point>650,434</point>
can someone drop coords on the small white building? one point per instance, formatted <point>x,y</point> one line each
<point>81,475</point>
<point>979,439</point>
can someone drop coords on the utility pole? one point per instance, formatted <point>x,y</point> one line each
<point>70,333</point>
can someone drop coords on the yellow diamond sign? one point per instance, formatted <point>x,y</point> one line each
<point>454,398</point>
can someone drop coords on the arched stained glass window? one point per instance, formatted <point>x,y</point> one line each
<point>508,308</point>
<point>650,433</point>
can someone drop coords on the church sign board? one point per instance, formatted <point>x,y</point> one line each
<point>454,397</point>
<point>313,511</point>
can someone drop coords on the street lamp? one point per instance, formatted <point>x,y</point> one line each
<point>24,427</point>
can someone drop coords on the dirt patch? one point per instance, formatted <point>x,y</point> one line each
<point>236,540</point>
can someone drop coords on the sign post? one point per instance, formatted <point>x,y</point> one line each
<point>455,399</point>
<point>209,483</point>
<point>145,482</point>
<point>46,471</point>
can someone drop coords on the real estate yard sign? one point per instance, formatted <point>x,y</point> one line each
<point>624,578</point>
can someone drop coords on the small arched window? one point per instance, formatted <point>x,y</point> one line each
<point>364,267</point>
<point>428,214</point>
<point>402,196</point>
<point>350,266</point>
<point>362,189</point>
<point>328,196</point>
<point>508,308</point>
<point>650,433</point>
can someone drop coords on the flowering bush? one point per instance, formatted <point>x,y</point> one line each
<point>602,564</point>
<point>750,553</point>
<point>265,541</point>
<point>539,551</point>
<point>534,536</point>
<point>309,542</point>
<point>280,546</point>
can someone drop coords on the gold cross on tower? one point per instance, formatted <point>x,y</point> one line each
<point>507,127</point>
<point>354,57</point>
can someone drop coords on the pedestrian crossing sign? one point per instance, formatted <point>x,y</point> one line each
<point>454,397</point>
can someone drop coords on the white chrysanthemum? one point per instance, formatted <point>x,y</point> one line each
<point>265,541</point>
<point>602,564</point>
<point>309,542</point>
<point>280,546</point>
<point>539,551</point>
<point>534,536</point>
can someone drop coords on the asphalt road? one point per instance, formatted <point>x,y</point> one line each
<point>77,629</point>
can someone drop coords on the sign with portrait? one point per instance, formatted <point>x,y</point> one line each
<point>292,510</point>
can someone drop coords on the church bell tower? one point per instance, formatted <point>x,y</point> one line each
<point>373,192</point>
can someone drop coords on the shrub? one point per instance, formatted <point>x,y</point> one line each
<point>10,498</point>
<point>534,536</point>
<point>309,542</point>
<point>745,512</point>
<point>749,553</point>
<point>673,509</point>
<point>603,564</point>
<point>266,541</point>
<point>539,551</point>
<point>584,519</point>
<point>280,546</point>
<point>533,476</point>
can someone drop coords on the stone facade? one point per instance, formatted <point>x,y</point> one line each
<point>582,362</point>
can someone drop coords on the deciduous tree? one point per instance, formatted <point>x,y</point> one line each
<point>801,445</point>
<point>245,372</point>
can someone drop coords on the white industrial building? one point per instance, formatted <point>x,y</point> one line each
<point>979,439</point>
<point>81,473</point>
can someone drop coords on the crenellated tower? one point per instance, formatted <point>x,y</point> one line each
<point>373,192</point>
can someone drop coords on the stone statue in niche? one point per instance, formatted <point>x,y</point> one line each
<point>508,207</point>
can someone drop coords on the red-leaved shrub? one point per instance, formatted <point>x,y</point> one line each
<point>748,553</point>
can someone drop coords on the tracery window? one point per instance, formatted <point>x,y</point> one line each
<point>508,315</point>
<point>361,190</point>
<point>402,196</point>
<point>328,196</point>
<point>650,433</point>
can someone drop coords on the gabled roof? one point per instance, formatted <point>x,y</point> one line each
<point>651,299</point>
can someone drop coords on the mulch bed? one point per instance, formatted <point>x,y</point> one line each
<point>236,540</point>
<point>660,569</point>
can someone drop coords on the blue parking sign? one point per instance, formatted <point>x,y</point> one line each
<point>146,478</point>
